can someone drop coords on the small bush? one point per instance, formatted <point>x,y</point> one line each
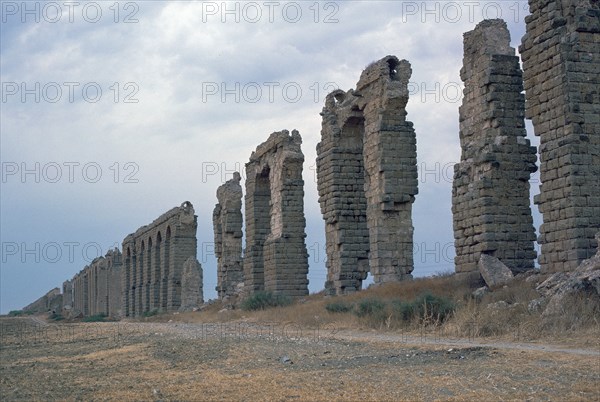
<point>369,307</point>
<point>428,307</point>
<point>15,313</point>
<point>402,311</point>
<point>150,313</point>
<point>339,307</point>
<point>264,300</point>
<point>95,318</point>
<point>56,316</point>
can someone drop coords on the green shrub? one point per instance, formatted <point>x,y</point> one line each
<point>262,300</point>
<point>15,313</point>
<point>95,318</point>
<point>339,307</point>
<point>150,313</point>
<point>56,316</point>
<point>427,307</point>
<point>402,311</point>
<point>369,307</point>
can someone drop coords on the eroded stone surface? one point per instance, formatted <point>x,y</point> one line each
<point>227,225</point>
<point>276,259</point>
<point>367,178</point>
<point>490,193</point>
<point>561,62</point>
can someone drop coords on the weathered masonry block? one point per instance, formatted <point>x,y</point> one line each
<point>96,289</point>
<point>561,62</point>
<point>367,178</point>
<point>153,261</point>
<point>490,193</point>
<point>227,224</point>
<point>276,259</point>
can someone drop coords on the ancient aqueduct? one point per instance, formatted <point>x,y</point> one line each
<point>367,182</point>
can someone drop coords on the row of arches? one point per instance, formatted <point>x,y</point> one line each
<point>147,268</point>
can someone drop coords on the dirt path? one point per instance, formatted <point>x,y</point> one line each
<point>415,340</point>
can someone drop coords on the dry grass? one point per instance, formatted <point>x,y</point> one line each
<point>579,324</point>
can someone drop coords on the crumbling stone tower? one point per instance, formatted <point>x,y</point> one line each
<point>276,259</point>
<point>153,261</point>
<point>227,224</point>
<point>367,178</point>
<point>561,62</point>
<point>490,193</point>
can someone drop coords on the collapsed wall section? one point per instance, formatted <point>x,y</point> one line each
<point>561,62</point>
<point>490,193</point>
<point>276,259</point>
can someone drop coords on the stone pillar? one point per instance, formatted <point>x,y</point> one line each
<point>390,158</point>
<point>341,183</point>
<point>67,296</point>
<point>276,258</point>
<point>490,193</point>
<point>227,224</point>
<point>192,296</point>
<point>114,262</point>
<point>367,178</point>
<point>183,246</point>
<point>128,278</point>
<point>157,254</point>
<point>561,62</point>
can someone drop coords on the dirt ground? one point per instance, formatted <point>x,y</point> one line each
<point>278,362</point>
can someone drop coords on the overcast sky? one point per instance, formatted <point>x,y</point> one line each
<point>113,113</point>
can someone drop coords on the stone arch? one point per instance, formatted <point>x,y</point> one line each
<point>276,259</point>
<point>366,175</point>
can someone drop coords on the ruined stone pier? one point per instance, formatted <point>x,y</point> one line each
<point>276,259</point>
<point>227,224</point>
<point>561,62</point>
<point>367,178</point>
<point>490,193</point>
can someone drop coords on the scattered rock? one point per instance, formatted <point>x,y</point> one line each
<point>585,279</point>
<point>499,305</point>
<point>494,272</point>
<point>286,360</point>
<point>535,306</point>
<point>480,292</point>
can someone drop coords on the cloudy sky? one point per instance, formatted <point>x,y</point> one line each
<point>114,112</point>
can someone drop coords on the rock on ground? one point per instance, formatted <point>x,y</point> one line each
<point>585,279</point>
<point>494,272</point>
